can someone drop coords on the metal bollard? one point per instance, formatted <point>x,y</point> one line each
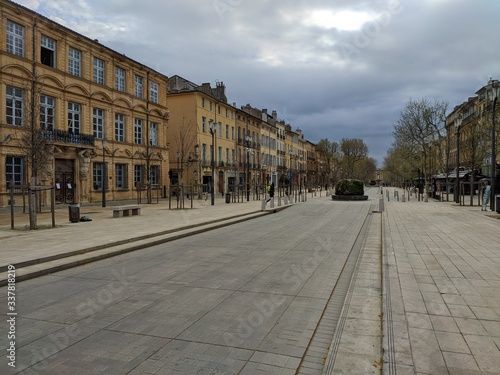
<point>403,198</point>
<point>263,204</point>
<point>279,201</point>
<point>286,200</point>
<point>381,205</point>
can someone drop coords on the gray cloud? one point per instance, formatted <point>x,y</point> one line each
<point>301,58</point>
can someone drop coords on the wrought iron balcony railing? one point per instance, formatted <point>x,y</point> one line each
<point>63,136</point>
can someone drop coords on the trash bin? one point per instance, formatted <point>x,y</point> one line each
<point>497,204</point>
<point>74,213</point>
<point>228,198</point>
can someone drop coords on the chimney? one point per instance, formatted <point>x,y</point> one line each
<point>275,114</point>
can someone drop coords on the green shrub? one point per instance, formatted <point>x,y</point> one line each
<point>349,187</point>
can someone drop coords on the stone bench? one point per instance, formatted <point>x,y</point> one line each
<point>132,209</point>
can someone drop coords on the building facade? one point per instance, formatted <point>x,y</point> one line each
<point>99,114</point>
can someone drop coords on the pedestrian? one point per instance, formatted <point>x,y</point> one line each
<point>486,196</point>
<point>270,189</point>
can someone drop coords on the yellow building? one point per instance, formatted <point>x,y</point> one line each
<point>202,124</point>
<point>98,114</point>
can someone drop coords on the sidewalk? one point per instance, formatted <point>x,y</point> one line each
<point>441,282</point>
<point>22,245</point>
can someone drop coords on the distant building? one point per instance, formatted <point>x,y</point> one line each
<point>92,103</point>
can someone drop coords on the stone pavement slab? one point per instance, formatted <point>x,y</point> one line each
<point>441,279</point>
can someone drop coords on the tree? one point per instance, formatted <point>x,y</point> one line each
<point>35,147</point>
<point>353,150</point>
<point>328,152</point>
<point>185,141</point>
<point>421,125</point>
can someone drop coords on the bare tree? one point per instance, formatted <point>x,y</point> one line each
<point>328,152</point>
<point>353,150</point>
<point>185,141</point>
<point>421,124</point>
<point>35,147</point>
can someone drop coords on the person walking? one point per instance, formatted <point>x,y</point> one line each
<point>270,189</point>
<point>486,196</point>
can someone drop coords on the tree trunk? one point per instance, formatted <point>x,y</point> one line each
<point>32,204</point>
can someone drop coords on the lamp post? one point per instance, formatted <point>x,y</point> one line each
<point>458,124</point>
<point>212,163</point>
<point>247,179</point>
<point>104,174</point>
<point>493,87</point>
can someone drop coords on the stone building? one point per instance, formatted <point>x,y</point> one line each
<point>94,112</point>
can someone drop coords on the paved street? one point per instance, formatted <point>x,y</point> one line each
<point>245,298</point>
<point>321,287</point>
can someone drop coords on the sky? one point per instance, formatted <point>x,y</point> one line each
<point>333,68</point>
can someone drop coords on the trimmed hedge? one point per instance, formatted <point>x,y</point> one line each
<point>349,187</point>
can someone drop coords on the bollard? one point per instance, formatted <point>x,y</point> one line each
<point>263,205</point>
<point>279,201</point>
<point>271,202</point>
<point>381,205</point>
<point>286,200</point>
<point>305,197</point>
<point>426,198</point>
<point>387,194</point>
<point>403,198</point>
<point>397,195</point>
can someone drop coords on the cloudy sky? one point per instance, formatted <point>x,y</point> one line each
<point>334,68</point>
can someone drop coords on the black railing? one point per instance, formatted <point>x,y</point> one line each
<point>63,136</point>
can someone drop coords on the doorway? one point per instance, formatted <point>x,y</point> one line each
<point>65,181</point>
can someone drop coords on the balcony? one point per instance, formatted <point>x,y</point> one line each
<point>62,136</point>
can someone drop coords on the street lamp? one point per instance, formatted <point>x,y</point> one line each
<point>104,172</point>
<point>493,88</point>
<point>247,179</point>
<point>212,129</point>
<point>458,124</point>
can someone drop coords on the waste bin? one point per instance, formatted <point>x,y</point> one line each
<point>497,204</point>
<point>228,198</point>
<point>74,213</point>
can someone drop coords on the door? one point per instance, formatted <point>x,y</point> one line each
<point>65,181</point>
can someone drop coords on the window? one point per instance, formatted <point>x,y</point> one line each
<point>98,121</point>
<point>211,106</point>
<point>203,102</point>
<point>204,124</point>
<point>119,128</point>
<point>46,112</point>
<point>154,92</point>
<point>75,62</point>
<point>227,131</point>
<point>153,134</point>
<point>219,155</point>
<point>48,51</point>
<point>14,170</point>
<point>121,176</point>
<point>232,133</point>
<point>154,175</point>
<point>14,106</point>
<point>137,175</point>
<point>219,126</point>
<point>74,118</point>
<point>227,112</point>
<point>98,175</point>
<point>120,79</point>
<point>227,156</point>
<point>138,131</point>
<point>98,71</point>
<point>138,87</point>
<point>15,38</point>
